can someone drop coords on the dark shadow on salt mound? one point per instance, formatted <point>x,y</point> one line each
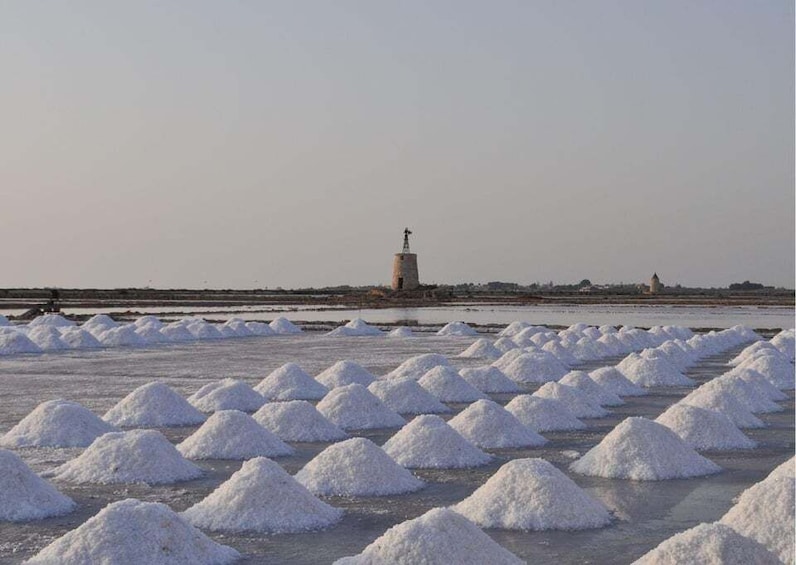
<point>489,379</point>
<point>643,450</point>
<point>582,381</point>
<point>536,367</point>
<point>137,456</point>
<point>416,367</point>
<point>704,429</point>
<point>614,381</point>
<point>428,442</point>
<point>262,497</point>
<point>131,531</point>
<point>438,537</point>
<point>531,494</point>
<point>543,414</point>
<point>488,425</point>
<point>447,385</point>
<point>345,373</point>
<point>353,407</point>
<point>298,420</point>
<point>356,467</point>
<point>227,394</point>
<point>579,403</point>
<point>153,405</point>
<point>230,434</point>
<point>407,397</point>
<point>481,348</point>
<point>26,496</point>
<point>290,382</point>
<point>709,543</point>
<point>57,423</point>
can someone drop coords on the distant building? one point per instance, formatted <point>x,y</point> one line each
<point>655,284</point>
<point>404,267</point>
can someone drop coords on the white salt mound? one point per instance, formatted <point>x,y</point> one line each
<point>786,469</point>
<point>725,403</point>
<point>704,429</point>
<point>514,328</point>
<point>582,381</point>
<point>260,329</point>
<point>290,382</point>
<point>646,372</point>
<point>153,405</point>
<point>282,325</point>
<point>78,338</point>
<point>761,383</point>
<point>151,335</point>
<point>504,345</point>
<point>226,394</point>
<point>543,414</point>
<point>614,381</point>
<point>417,366</point>
<point>489,379</point>
<point>428,442</point>
<point>345,373</point>
<point>297,420</point>
<point>643,450</point>
<point>536,367</point>
<point>508,357</point>
<point>230,434</point>
<point>131,531</point>
<point>26,496</point>
<point>47,338</point>
<point>99,322</point>
<point>262,497</point>
<point>13,342</point>
<point>401,332</point>
<point>177,332</point>
<point>353,407</point>
<point>531,494</point>
<point>778,371</point>
<point>457,329</point>
<point>579,403</point>
<point>57,423</point>
<point>51,321</point>
<point>363,328</point>
<point>407,397</point>
<point>754,399</point>
<point>356,467</point>
<point>481,348</point>
<point>201,329</point>
<point>447,385</point>
<point>121,336</point>
<point>488,425</point>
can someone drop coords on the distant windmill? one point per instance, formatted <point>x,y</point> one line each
<point>404,267</point>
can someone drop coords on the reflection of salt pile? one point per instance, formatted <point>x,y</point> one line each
<point>4,321</point>
<point>438,537</point>
<point>582,381</point>
<point>226,394</point>
<point>488,425</point>
<point>614,381</point>
<point>356,467</point>
<point>725,403</point>
<point>704,429</point>
<point>284,326</point>
<point>13,342</point>
<point>535,367</point>
<point>344,373</point>
<point>399,332</point>
<point>647,372</point>
<point>488,379</point>
<point>447,385</point>
<point>131,531</point>
<point>262,497</point>
<point>428,442</point>
<point>457,329</point>
<point>230,434</point>
<point>297,420</point>
<point>353,407</point>
<point>642,450</point>
<point>531,494</point>
<point>543,414</point>
<point>416,367</point>
<point>57,423</point>
<point>137,456</point>
<point>579,403</point>
<point>708,543</point>
<point>407,397</point>
<point>290,382</point>
<point>26,496</point>
<point>355,328</point>
<point>481,348</point>
<point>153,405</point>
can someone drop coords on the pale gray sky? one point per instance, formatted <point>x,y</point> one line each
<point>250,144</point>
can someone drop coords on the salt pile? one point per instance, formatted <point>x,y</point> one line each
<point>238,327</point>
<point>150,334</point>
<point>447,385</point>
<point>51,321</point>
<point>137,456</point>
<point>416,367</point>
<point>514,328</point>
<point>489,379</point>
<point>614,381</point>
<point>646,372</point>
<point>353,407</point>
<point>290,382</point>
<point>99,323</point>
<point>563,354</point>
<point>26,496</point>
<point>297,420</point>
<point>784,341</point>
<point>428,442</point>
<point>78,338</point>
<point>582,381</point>
<point>402,331</point>
<point>356,467</point>
<point>47,338</point>
<point>361,327</point>
<point>504,344</point>
<point>131,531</point>
<point>121,336</point>
<point>579,403</point>
<point>778,371</point>
<point>407,397</point>
<point>704,429</point>
<point>481,348</point>
<point>153,405</point>
<point>754,399</point>
<point>345,373</point>
<point>262,497</point>
<point>531,494</point>
<point>57,423</point>
<point>177,332</point>
<point>543,414</point>
<point>226,394</point>
<point>488,425</point>
<point>643,450</point>
<point>284,326</point>
<point>230,434</point>
<point>201,329</point>
<point>508,357</point>
<point>457,329</point>
<point>438,537</point>
<point>714,544</point>
<point>148,321</point>
<point>13,342</point>
<point>751,351</point>
<point>536,367</point>
<point>260,329</point>
<point>762,384</point>
<point>725,403</point>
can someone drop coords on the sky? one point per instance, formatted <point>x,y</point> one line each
<point>248,144</point>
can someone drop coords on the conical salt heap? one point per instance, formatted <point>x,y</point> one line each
<point>543,414</point>
<point>57,423</point>
<point>531,494</point>
<point>488,425</point>
<point>230,434</point>
<point>137,456</point>
<point>481,348</point>
<point>345,373</point>
<point>121,336</point>
<point>283,326</point>
<point>152,335</point>
<point>353,407</point>
<point>714,544</point>
<point>643,450</point>
<point>579,403</point>
<point>765,512</point>
<point>47,338</point>
<point>227,394</point>
<point>13,342</point>
<point>754,399</point>
<point>447,385</point>
<point>725,403</point>
<point>514,328</point>
<point>297,420</point>
<point>489,379</point>
<point>262,497</point>
<point>704,429</point>
<point>26,496</point>
<point>363,328</point>
<point>177,332</point>
<point>753,350</point>
<point>131,531</point>
<point>153,405</point>
<point>762,384</point>
<point>646,372</point>
<point>614,381</point>
<point>407,397</point>
<point>438,537</point>
<point>356,467</point>
<point>78,338</point>
<point>260,329</point>
<point>504,345</point>
<point>401,332</point>
<point>537,367</point>
<point>508,358</point>
<point>457,329</point>
<point>428,442</point>
<point>582,381</point>
<point>290,382</point>
<point>417,366</point>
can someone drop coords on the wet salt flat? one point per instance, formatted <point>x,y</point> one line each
<point>645,513</point>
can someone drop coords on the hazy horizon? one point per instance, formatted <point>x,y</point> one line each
<point>281,144</point>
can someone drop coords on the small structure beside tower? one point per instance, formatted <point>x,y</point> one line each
<point>404,267</point>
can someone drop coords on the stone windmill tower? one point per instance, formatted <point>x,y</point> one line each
<point>404,267</point>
